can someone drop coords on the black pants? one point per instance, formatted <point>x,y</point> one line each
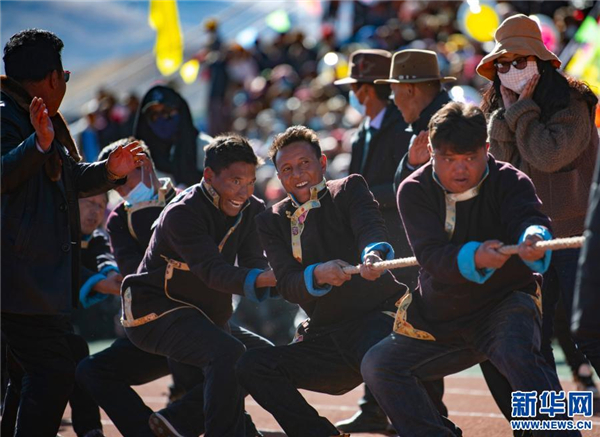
<point>84,411</point>
<point>109,376</point>
<point>40,347</point>
<point>327,363</point>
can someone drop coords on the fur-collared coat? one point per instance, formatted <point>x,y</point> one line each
<point>40,212</point>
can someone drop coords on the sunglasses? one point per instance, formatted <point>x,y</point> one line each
<point>67,75</point>
<point>518,63</point>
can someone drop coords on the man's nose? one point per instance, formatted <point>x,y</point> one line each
<point>460,166</point>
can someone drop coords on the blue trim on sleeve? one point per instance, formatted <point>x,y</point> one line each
<point>542,264</point>
<point>250,287</point>
<point>107,269</point>
<point>383,247</point>
<point>87,295</point>
<point>466,264</point>
<point>310,287</point>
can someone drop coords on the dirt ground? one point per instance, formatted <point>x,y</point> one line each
<point>467,397</point>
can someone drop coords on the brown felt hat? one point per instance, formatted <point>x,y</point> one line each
<point>366,66</point>
<point>414,66</point>
<point>520,35</point>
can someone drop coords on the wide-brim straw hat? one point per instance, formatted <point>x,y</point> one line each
<point>520,35</point>
<point>414,66</point>
<point>366,66</point>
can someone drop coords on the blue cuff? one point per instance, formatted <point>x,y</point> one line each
<point>308,280</point>
<point>107,269</point>
<point>542,264</point>
<point>385,248</point>
<point>250,290</point>
<point>87,295</point>
<point>466,264</point>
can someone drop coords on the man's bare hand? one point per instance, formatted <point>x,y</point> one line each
<point>124,159</point>
<point>331,273</point>
<point>488,257</point>
<point>367,270</point>
<point>528,252</point>
<point>40,120</point>
<point>110,285</point>
<point>418,153</point>
<point>266,279</point>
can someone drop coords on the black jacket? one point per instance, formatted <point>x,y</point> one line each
<point>386,148</point>
<point>505,207</point>
<point>190,230</point>
<point>422,123</point>
<point>40,211</point>
<point>347,221</point>
<point>587,299</point>
<point>96,256</point>
<point>130,229</point>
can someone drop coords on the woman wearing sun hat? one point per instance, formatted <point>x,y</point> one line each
<point>542,122</point>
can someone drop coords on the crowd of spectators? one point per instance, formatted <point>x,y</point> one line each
<point>261,87</point>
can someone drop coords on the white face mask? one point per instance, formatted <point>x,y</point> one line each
<point>516,79</point>
<point>355,103</point>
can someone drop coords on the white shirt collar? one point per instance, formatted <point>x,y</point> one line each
<point>377,120</point>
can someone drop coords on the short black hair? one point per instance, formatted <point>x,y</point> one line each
<point>123,142</point>
<point>30,55</point>
<point>228,149</point>
<point>292,135</point>
<point>383,91</point>
<point>458,127</point>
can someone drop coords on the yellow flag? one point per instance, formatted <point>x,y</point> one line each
<point>164,18</point>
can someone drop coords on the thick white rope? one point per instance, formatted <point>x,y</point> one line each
<point>556,244</point>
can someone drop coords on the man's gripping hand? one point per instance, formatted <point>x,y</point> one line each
<point>367,270</point>
<point>331,273</point>
<point>488,257</point>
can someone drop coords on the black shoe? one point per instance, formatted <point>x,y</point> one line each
<point>364,422</point>
<point>584,380</point>
<point>161,426</point>
<point>251,430</point>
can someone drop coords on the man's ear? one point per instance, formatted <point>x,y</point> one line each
<point>430,148</point>
<point>53,79</point>
<point>209,174</point>
<point>323,161</point>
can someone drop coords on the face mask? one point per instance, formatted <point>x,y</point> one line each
<point>516,79</point>
<point>356,104</point>
<point>165,128</point>
<point>140,193</point>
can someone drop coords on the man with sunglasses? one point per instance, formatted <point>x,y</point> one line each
<point>42,179</point>
<point>377,148</point>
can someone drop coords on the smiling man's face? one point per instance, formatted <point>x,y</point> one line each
<point>234,185</point>
<point>299,169</point>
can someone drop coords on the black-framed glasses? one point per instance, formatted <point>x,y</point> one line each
<point>67,75</point>
<point>504,67</point>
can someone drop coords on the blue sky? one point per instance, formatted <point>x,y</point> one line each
<point>100,35</point>
<point>97,30</point>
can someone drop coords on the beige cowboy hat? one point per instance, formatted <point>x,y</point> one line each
<point>520,35</point>
<point>414,66</point>
<point>366,66</point>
